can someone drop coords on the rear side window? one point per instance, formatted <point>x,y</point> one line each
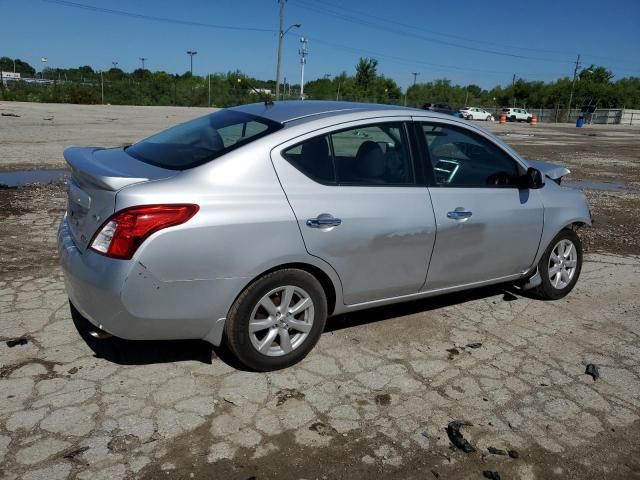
<point>201,140</point>
<point>313,158</point>
<point>372,155</point>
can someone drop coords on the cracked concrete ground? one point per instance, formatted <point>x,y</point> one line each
<point>372,400</point>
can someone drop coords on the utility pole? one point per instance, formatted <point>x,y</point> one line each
<point>102,86</point>
<point>281,34</point>
<point>513,91</point>
<point>142,59</point>
<point>209,104</point>
<point>115,64</point>
<point>415,77</point>
<point>573,83</point>
<point>191,53</point>
<point>303,52</point>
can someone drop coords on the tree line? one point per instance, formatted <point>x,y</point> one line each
<point>595,85</point>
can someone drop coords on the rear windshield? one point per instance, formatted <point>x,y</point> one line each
<point>198,141</point>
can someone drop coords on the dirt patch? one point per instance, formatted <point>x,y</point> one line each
<point>372,456</point>
<point>28,222</point>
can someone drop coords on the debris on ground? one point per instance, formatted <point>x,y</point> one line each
<point>456,438</point>
<point>513,454</point>
<point>123,443</point>
<point>286,394</point>
<point>17,341</point>
<point>70,455</point>
<point>474,345</point>
<point>9,115</point>
<point>491,475</point>
<point>453,352</point>
<point>497,451</point>
<point>435,473</point>
<point>593,371</point>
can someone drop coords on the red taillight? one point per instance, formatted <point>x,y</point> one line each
<point>122,234</point>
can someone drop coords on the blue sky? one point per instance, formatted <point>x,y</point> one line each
<point>466,41</point>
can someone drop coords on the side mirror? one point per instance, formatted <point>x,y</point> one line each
<point>533,179</point>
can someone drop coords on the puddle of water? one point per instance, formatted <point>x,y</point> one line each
<point>595,185</point>
<point>22,178</point>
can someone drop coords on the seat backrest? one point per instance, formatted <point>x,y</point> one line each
<point>370,164</point>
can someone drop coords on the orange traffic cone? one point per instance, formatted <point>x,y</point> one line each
<point>534,121</point>
<point>503,118</point>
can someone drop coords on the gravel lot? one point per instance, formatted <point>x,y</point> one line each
<point>374,398</point>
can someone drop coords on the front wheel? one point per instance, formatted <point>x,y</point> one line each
<point>560,266</point>
<point>277,320</point>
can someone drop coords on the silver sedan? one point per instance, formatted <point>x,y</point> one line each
<point>252,225</point>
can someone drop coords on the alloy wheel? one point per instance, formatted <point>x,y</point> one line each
<point>281,321</point>
<point>562,263</point>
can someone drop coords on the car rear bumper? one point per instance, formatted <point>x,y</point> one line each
<point>125,299</point>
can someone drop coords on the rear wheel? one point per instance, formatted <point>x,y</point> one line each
<point>513,118</point>
<point>560,266</point>
<point>488,119</point>
<point>277,320</point>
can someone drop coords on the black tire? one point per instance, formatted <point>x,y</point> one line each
<point>236,331</point>
<point>546,290</point>
<point>513,118</point>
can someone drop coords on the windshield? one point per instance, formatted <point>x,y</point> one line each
<point>198,141</point>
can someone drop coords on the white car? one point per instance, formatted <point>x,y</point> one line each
<point>517,114</point>
<point>475,113</point>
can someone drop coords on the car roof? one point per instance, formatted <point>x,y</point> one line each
<point>301,110</point>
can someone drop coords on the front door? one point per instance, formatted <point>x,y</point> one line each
<point>361,207</point>
<point>487,227</point>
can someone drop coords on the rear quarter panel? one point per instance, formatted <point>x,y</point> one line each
<point>244,227</point>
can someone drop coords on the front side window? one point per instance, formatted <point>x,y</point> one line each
<point>461,158</point>
<point>198,141</point>
<point>363,156</point>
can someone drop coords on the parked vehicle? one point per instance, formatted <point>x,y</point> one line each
<point>438,107</point>
<point>252,225</point>
<point>517,114</point>
<point>475,113</point>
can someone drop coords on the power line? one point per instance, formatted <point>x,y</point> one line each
<point>140,16</point>
<point>405,33</point>
<point>414,61</point>
<point>458,37</point>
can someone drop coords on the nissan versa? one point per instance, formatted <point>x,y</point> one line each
<point>252,225</point>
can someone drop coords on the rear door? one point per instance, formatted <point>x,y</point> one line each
<point>361,206</point>
<point>487,227</point>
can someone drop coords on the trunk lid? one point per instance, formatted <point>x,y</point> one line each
<point>98,174</point>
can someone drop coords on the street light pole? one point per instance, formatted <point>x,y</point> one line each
<point>43,60</point>
<point>303,60</point>
<point>191,53</point>
<point>415,77</point>
<point>142,59</point>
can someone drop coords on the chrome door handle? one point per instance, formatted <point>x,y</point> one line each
<point>459,214</point>
<point>323,222</point>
